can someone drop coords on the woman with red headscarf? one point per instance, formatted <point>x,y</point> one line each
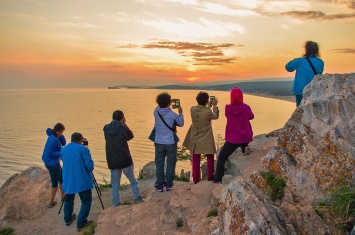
<point>238,130</point>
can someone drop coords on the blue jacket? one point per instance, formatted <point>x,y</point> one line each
<point>304,72</point>
<point>163,134</point>
<point>77,168</point>
<point>51,152</point>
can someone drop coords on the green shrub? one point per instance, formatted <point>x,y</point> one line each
<point>212,212</point>
<point>7,231</point>
<point>183,154</point>
<point>276,185</point>
<point>90,229</point>
<point>181,178</point>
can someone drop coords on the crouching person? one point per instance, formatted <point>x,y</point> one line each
<point>77,178</point>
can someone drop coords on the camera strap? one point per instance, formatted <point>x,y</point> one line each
<point>310,63</point>
<point>161,117</point>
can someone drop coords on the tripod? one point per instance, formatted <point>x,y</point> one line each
<point>97,190</point>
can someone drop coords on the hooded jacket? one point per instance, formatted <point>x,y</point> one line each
<point>51,152</point>
<point>238,128</point>
<point>117,136</point>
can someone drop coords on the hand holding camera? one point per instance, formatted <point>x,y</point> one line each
<point>213,101</point>
<point>176,103</point>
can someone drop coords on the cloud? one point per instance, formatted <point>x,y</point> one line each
<point>317,15</point>
<point>345,50</point>
<point>200,53</point>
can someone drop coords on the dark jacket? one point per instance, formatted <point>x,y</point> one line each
<point>118,155</point>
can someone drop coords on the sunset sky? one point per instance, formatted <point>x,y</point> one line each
<point>87,43</point>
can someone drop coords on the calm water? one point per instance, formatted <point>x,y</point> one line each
<point>25,115</point>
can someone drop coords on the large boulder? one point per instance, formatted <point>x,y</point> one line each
<point>316,148</point>
<point>24,195</point>
<point>314,151</point>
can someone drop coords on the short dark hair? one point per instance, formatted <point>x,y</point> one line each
<point>202,98</point>
<point>117,115</point>
<point>312,49</point>
<point>76,137</point>
<point>58,127</point>
<point>163,100</point>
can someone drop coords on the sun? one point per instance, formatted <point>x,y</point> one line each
<point>192,79</point>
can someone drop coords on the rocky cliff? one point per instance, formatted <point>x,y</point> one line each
<point>313,153</point>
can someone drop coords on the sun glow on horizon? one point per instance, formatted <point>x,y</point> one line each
<point>152,42</point>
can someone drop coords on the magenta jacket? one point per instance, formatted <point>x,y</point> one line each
<point>238,128</point>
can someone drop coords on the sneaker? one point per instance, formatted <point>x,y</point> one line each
<point>139,200</point>
<point>88,223</point>
<point>73,217</point>
<point>169,187</point>
<point>217,182</point>
<point>159,189</point>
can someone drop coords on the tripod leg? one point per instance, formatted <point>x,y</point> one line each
<point>97,190</point>
<point>62,204</point>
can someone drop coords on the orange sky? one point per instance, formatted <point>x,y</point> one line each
<point>149,42</point>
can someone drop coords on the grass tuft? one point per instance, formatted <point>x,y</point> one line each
<point>276,185</point>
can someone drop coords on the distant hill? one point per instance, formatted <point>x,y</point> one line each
<point>271,88</point>
<point>276,88</point>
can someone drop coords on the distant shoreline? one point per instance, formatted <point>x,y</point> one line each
<point>278,97</point>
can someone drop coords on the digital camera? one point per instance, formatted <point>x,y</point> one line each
<point>212,98</point>
<point>176,103</point>
<point>85,142</point>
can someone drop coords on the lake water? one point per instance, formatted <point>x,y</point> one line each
<point>26,114</point>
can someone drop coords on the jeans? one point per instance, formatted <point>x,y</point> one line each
<point>86,199</point>
<point>226,151</point>
<point>116,181</point>
<point>298,100</point>
<point>161,151</point>
<point>196,169</point>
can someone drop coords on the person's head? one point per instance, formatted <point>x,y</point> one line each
<point>118,115</point>
<point>77,137</point>
<point>163,100</point>
<point>202,98</point>
<point>311,49</point>
<point>236,95</point>
<point>58,129</point>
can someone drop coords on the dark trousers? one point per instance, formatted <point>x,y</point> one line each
<point>226,151</point>
<point>86,199</point>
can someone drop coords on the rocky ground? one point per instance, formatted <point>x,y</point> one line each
<point>160,209</point>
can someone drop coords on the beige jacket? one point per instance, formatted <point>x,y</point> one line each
<point>199,138</point>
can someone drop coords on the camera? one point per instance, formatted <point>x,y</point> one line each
<point>85,142</point>
<point>176,103</point>
<point>212,98</point>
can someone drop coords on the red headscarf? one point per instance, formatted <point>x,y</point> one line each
<point>236,95</point>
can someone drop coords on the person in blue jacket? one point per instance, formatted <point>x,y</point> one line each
<point>77,178</point>
<point>51,158</point>
<point>304,70</point>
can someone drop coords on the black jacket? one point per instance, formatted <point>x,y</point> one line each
<point>118,155</point>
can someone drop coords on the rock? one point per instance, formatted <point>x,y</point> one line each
<point>316,148</point>
<point>148,171</point>
<point>24,196</point>
<point>183,210</point>
<point>244,210</point>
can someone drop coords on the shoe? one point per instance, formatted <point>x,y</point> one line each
<point>217,182</point>
<point>73,217</point>
<point>88,223</point>
<point>247,151</point>
<point>52,204</point>
<point>159,189</point>
<point>169,187</point>
<point>139,200</point>
<point>195,182</point>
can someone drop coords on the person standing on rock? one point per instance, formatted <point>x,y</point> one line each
<point>238,132</point>
<point>119,159</point>
<point>199,138</point>
<point>306,68</point>
<point>165,140</point>
<point>77,178</point>
<point>51,158</point>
